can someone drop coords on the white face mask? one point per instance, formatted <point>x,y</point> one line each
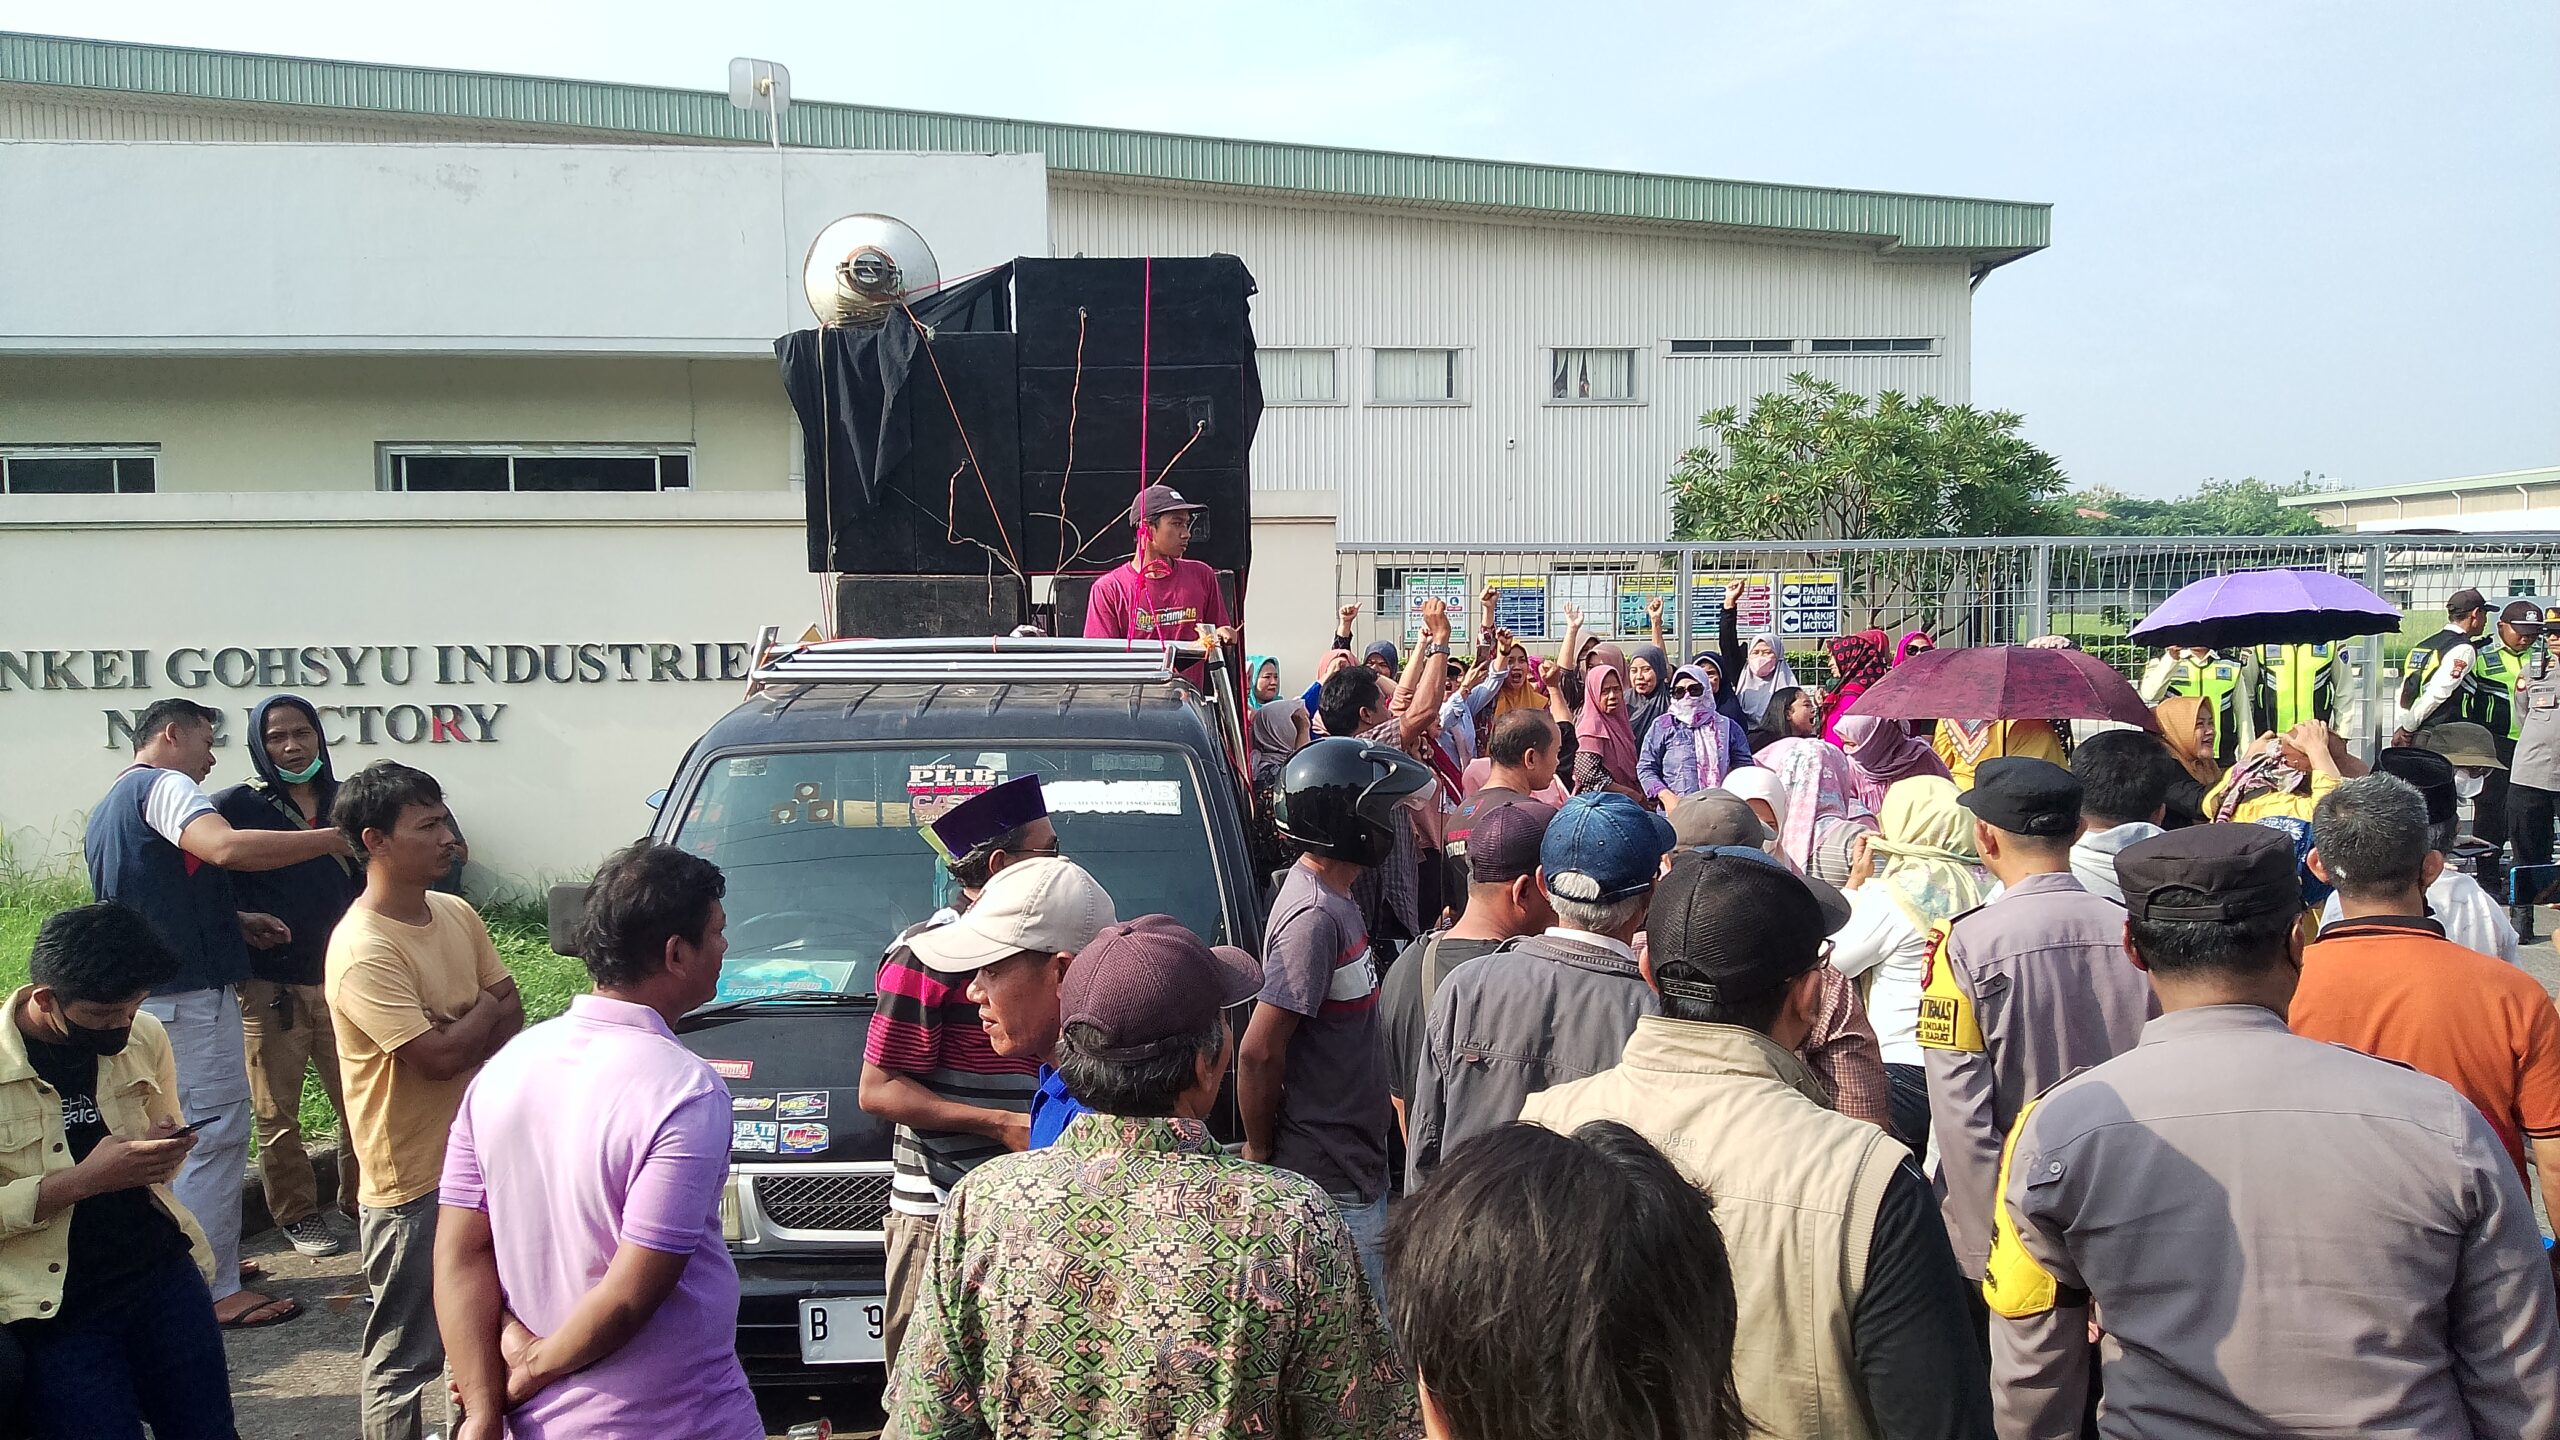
<point>1685,708</point>
<point>2469,786</point>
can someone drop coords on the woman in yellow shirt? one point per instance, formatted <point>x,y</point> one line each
<point>2283,776</point>
<point>1964,744</point>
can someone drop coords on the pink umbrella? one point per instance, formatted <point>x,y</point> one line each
<point>2004,682</point>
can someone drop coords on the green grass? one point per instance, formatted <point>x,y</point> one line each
<point>517,927</point>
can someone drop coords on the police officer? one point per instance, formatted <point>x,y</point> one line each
<point>2298,683</point>
<point>2279,1236</point>
<point>2021,991</point>
<point>2533,781</point>
<point>2228,686</point>
<point>2437,682</point>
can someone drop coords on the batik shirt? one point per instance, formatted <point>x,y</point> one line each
<point>1134,1279</point>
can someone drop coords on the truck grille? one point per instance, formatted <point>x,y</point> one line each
<point>823,1202</point>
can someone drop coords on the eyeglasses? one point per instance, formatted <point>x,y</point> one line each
<point>1688,690</point>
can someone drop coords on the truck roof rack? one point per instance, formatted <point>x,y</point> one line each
<point>1030,659</point>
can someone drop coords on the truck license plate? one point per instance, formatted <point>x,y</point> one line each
<point>843,1331</point>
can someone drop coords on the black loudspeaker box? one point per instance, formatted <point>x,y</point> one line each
<point>929,605</point>
<point>941,490</point>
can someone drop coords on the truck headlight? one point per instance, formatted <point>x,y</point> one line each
<point>733,1208</point>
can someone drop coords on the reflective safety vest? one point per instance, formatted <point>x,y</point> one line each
<point>2473,699</point>
<point>2498,669</point>
<point>2298,683</point>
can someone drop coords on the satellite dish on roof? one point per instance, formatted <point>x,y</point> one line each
<point>863,266</point>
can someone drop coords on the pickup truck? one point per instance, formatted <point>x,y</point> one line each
<point>809,796</point>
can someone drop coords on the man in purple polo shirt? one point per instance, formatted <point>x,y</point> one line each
<point>581,1283</point>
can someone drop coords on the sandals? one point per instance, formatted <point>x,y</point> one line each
<point>269,1310</point>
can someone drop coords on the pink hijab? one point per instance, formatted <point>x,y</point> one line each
<point>1604,734</point>
<point>1880,752</point>
<point>1820,792</point>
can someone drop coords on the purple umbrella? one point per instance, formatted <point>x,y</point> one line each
<point>2267,607</point>
<point>2004,682</point>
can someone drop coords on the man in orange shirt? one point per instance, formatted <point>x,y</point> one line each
<point>2385,981</point>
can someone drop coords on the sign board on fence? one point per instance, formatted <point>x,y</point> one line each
<point>1637,591</point>
<point>1755,613</point>
<point>1596,595</point>
<point>1448,587</point>
<point>1520,605</point>
<point>1809,603</point>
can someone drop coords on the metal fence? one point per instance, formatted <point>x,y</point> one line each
<point>1964,592</point>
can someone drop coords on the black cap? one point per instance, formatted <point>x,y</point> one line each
<point>1730,925</point>
<point>2463,602</point>
<point>2429,771</point>
<point>2025,796</point>
<point>2522,614</point>
<point>2210,872</point>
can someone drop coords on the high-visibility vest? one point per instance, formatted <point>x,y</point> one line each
<point>2298,683</point>
<point>2498,669</point>
<point>2473,698</point>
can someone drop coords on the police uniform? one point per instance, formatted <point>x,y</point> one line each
<point>2228,688</point>
<point>2018,993</point>
<point>2298,683</point>
<point>2279,1236</point>
<point>2533,777</point>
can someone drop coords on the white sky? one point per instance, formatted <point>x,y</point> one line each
<point>2288,235</point>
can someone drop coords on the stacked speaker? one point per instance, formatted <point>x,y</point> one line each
<point>1028,443</point>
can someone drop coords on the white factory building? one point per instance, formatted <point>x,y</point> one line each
<point>309,354</point>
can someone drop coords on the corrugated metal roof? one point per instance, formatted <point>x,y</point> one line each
<point>2503,480</point>
<point>1996,230</point>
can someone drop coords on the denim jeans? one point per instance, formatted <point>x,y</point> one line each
<point>153,1354</point>
<point>1368,1222</point>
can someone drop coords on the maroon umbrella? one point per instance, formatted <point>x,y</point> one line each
<point>2004,682</point>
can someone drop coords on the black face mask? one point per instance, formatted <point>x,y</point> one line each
<point>96,1042</point>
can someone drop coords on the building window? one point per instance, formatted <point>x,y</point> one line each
<point>1418,377</point>
<point>1733,347</point>
<point>1298,375</point>
<point>1908,345</point>
<point>79,470</point>
<point>1597,377</point>
<point>557,469</point>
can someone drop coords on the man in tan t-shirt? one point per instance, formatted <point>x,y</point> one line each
<point>419,1000</point>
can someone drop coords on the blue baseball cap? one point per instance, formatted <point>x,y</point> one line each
<point>1603,847</point>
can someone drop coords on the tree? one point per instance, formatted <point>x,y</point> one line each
<point>2247,506</point>
<point>1815,461</point>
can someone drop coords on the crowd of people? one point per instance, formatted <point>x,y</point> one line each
<point>1633,1049</point>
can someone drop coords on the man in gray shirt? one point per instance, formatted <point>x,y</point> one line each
<point>1552,1007</point>
<point>2278,1236</point>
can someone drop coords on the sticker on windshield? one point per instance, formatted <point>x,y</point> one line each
<point>1113,797</point>
<point>732,1069</point>
<point>751,1104</point>
<point>1141,763</point>
<point>803,1139</point>
<point>953,779</point>
<point>759,1137</point>
<point>802,1105</point>
<point>746,765</point>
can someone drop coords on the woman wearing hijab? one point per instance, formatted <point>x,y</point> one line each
<point>1648,687</point>
<point>1334,662</point>
<point>1764,672</point>
<point>1519,690</point>
<point>1605,753</point>
<point>1913,642</point>
<point>1881,752</point>
<point>1693,746</point>
<point>1857,661</point>
<point>1815,776</point>
<point>1276,726</point>
<point>2186,724</point>
<point>1918,872</point>
<point>1794,713</point>
<point>1758,787</point>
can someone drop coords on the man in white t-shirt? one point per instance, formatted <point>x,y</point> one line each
<point>156,844</point>
<point>2471,919</point>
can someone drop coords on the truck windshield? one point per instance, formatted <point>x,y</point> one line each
<point>827,862</point>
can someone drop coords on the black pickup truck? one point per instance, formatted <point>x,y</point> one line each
<point>809,797</point>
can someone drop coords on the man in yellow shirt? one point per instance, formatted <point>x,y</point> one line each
<point>419,1000</point>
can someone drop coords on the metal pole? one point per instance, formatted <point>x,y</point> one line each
<point>2377,714</point>
<point>1688,604</point>
<point>2040,592</point>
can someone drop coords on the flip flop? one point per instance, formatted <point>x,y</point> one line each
<point>251,1270</point>
<point>274,1310</point>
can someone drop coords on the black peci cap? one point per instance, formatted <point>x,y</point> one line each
<point>1724,928</point>
<point>2210,872</point>
<point>2429,771</point>
<point>2025,796</point>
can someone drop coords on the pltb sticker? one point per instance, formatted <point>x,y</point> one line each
<point>732,1069</point>
<point>750,1104</point>
<point>802,1105</point>
<point>803,1139</point>
<point>760,1137</point>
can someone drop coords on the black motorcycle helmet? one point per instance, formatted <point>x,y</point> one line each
<point>1337,798</point>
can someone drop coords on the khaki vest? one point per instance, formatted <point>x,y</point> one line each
<point>1795,1185</point>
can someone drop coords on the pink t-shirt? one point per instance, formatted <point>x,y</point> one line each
<point>1126,605</point>
<point>585,1132</point>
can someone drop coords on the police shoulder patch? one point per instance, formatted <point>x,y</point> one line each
<point>1946,1020</point>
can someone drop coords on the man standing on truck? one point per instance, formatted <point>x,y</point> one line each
<point>926,1065</point>
<point>1159,595</point>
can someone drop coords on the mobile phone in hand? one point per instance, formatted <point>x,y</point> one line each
<point>185,1130</point>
